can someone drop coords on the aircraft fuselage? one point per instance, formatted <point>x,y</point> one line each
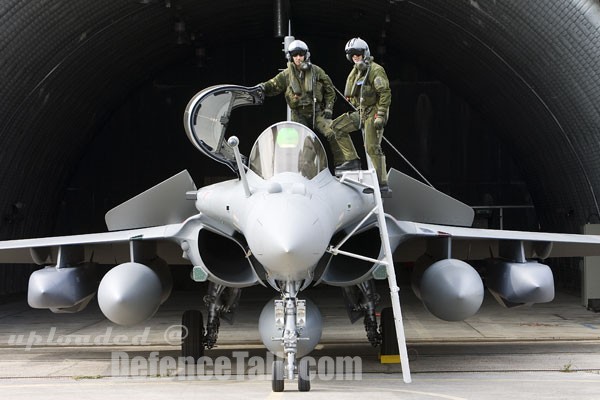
<point>288,220</point>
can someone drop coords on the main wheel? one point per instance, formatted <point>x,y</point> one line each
<point>389,342</point>
<point>192,335</point>
<point>277,382</point>
<point>303,376</point>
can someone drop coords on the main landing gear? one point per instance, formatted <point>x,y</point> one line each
<point>361,301</point>
<point>221,302</point>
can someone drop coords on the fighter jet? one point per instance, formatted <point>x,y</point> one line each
<point>286,222</point>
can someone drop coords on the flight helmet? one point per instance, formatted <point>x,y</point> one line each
<point>357,46</point>
<point>298,46</point>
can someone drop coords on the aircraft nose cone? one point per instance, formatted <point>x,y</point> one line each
<point>287,238</point>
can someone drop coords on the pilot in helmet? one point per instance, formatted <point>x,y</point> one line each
<point>310,95</point>
<point>367,89</point>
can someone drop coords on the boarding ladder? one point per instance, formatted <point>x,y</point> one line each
<point>369,182</point>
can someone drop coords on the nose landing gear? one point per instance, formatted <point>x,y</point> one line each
<point>290,320</point>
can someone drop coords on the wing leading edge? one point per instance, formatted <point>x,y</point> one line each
<point>475,243</point>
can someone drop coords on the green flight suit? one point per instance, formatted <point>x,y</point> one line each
<point>368,89</point>
<point>299,87</point>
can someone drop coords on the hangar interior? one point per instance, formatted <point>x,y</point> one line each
<point>495,102</point>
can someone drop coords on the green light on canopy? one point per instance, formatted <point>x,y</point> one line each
<point>287,137</point>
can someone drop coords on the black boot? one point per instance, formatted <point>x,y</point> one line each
<point>351,165</point>
<point>385,190</point>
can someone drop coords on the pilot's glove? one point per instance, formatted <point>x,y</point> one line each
<point>327,114</point>
<point>379,121</point>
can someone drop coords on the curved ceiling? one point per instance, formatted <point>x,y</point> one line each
<point>529,67</point>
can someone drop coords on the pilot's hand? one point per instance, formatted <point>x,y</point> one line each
<point>327,114</point>
<point>293,100</point>
<point>379,121</point>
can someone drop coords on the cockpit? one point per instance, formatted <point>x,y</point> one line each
<point>288,147</point>
<point>282,147</point>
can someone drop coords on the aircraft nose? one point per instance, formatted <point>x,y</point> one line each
<point>287,237</point>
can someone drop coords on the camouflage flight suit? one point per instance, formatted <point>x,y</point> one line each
<point>368,89</point>
<point>299,86</point>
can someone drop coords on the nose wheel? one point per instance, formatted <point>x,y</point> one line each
<point>278,377</point>
<point>278,380</point>
<point>303,376</point>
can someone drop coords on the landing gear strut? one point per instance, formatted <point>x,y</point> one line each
<point>290,319</point>
<point>361,301</point>
<point>221,302</point>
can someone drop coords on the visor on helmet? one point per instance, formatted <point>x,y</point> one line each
<point>355,52</point>
<point>297,52</point>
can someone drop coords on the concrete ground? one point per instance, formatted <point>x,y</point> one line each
<point>551,351</point>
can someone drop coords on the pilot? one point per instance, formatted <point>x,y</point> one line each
<point>310,95</point>
<point>308,159</point>
<point>368,90</point>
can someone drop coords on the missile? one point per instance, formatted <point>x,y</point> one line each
<point>451,289</point>
<point>130,293</point>
<point>62,290</point>
<point>514,284</point>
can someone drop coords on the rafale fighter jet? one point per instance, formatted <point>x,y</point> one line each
<point>286,222</point>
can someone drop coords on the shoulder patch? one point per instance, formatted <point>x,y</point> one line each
<point>380,82</point>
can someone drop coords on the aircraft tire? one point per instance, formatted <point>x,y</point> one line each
<point>303,376</point>
<point>192,341</point>
<point>277,381</point>
<point>387,328</point>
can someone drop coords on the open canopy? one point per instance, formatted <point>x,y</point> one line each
<point>207,115</point>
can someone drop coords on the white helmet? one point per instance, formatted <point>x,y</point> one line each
<point>298,46</point>
<point>357,46</point>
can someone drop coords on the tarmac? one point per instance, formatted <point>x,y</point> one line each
<point>551,351</point>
